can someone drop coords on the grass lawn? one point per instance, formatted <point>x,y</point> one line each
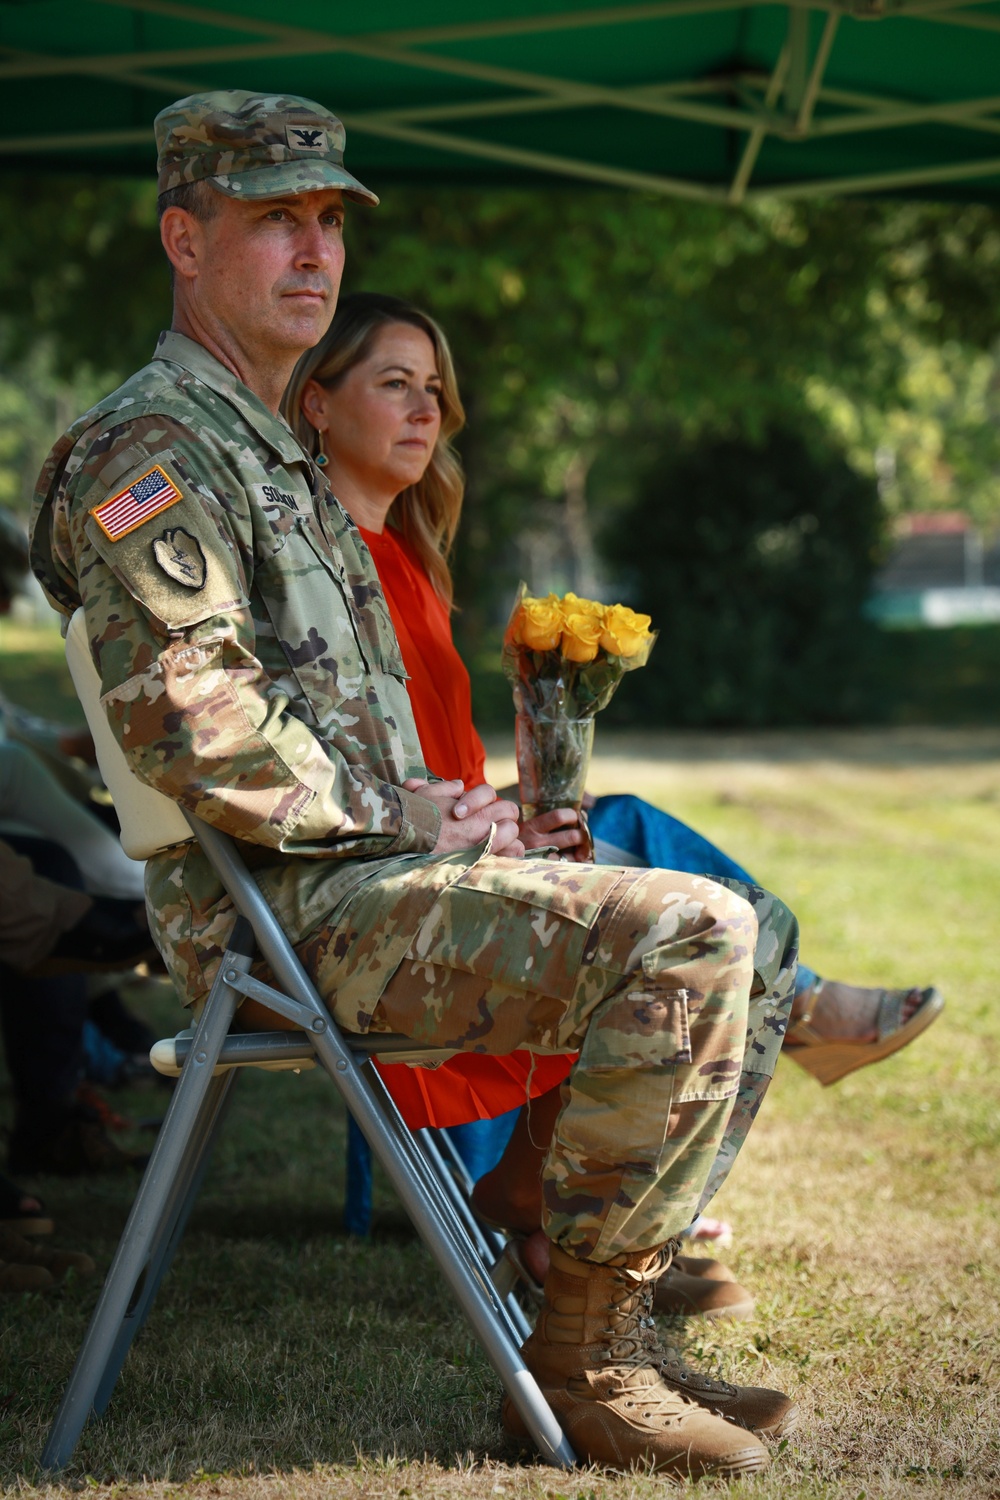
<point>33,672</point>
<point>284,1359</point>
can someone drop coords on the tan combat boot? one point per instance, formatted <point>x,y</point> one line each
<point>700,1265</point>
<point>679,1294</point>
<point>769,1413</point>
<point>592,1355</point>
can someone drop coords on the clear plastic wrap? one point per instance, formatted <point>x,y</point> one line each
<point>564,658</point>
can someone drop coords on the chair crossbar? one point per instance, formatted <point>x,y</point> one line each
<point>278,1050</point>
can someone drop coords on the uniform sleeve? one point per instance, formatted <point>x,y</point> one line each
<point>165,583</point>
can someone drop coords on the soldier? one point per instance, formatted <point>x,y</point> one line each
<point>250,671</point>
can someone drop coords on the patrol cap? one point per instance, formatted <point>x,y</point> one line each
<point>253,146</point>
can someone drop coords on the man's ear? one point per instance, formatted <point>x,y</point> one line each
<point>314,405</point>
<point>183,238</point>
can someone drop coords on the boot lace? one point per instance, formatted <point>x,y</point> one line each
<point>668,1362</point>
<point>672,1367</point>
<point>631,1347</point>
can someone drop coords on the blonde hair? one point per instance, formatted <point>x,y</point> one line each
<point>427,513</point>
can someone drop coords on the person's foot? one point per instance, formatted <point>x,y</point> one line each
<point>15,1250</point>
<point>717,1232</point>
<point>701,1265</point>
<point>77,1146</point>
<point>592,1355</point>
<point>847,1012</point>
<point>837,1028</point>
<point>769,1413</point>
<point>22,1212</point>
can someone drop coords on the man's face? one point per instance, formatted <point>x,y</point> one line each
<point>269,272</point>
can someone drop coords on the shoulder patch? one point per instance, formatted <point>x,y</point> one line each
<point>183,567</point>
<point>180,556</point>
<point>133,506</point>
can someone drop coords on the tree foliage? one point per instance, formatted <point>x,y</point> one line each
<point>81,271</point>
<point>759,559</point>
<point>593,331</point>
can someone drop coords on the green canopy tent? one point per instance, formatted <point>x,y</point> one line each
<point>705,99</point>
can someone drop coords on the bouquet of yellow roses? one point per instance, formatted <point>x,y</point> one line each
<point>564,658</point>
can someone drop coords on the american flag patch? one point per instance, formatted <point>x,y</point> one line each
<point>119,514</point>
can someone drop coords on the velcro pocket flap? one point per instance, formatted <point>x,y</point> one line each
<point>646,1026</point>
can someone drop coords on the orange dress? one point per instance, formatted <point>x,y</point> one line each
<point>471,1086</point>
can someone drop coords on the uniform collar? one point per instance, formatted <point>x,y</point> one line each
<point>195,358</point>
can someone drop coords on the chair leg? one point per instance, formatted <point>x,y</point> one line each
<point>406,1144</point>
<point>434,1218</point>
<point>358,1187</point>
<point>488,1244</point>
<point>151,1222</point>
<point>190,1176</point>
<point>457,1181</point>
<point>491,1242</point>
<point>474,1292</point>
<point>432,1175</point>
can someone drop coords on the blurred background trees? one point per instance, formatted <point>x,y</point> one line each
<point>759,556</point>
<point>715,414</point>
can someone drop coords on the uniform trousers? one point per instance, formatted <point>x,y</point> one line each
<point>673,988</point>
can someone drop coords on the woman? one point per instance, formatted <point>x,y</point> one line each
<point>377,405</point>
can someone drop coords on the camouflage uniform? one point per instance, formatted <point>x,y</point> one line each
<point>250,671</point>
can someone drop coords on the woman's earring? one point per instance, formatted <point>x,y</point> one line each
<point>321,458</point>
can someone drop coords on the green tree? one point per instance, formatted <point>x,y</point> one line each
<point>593,329</point>
<point>755,560</point>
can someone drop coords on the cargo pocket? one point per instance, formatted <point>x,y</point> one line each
<point>646,1026</point>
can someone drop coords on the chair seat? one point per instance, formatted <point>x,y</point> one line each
<point>287,1051</point>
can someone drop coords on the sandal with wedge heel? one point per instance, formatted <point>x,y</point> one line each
<point>829,1059</point>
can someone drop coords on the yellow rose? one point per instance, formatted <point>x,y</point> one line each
<point>625,633</point>
<point>539,623</point>
<point>581,636</point>
<point>574,605</point>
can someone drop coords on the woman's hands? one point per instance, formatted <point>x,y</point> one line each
<point>467,817</point>
<point>560,828</point>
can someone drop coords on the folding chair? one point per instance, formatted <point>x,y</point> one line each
<point>208,1060</point>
